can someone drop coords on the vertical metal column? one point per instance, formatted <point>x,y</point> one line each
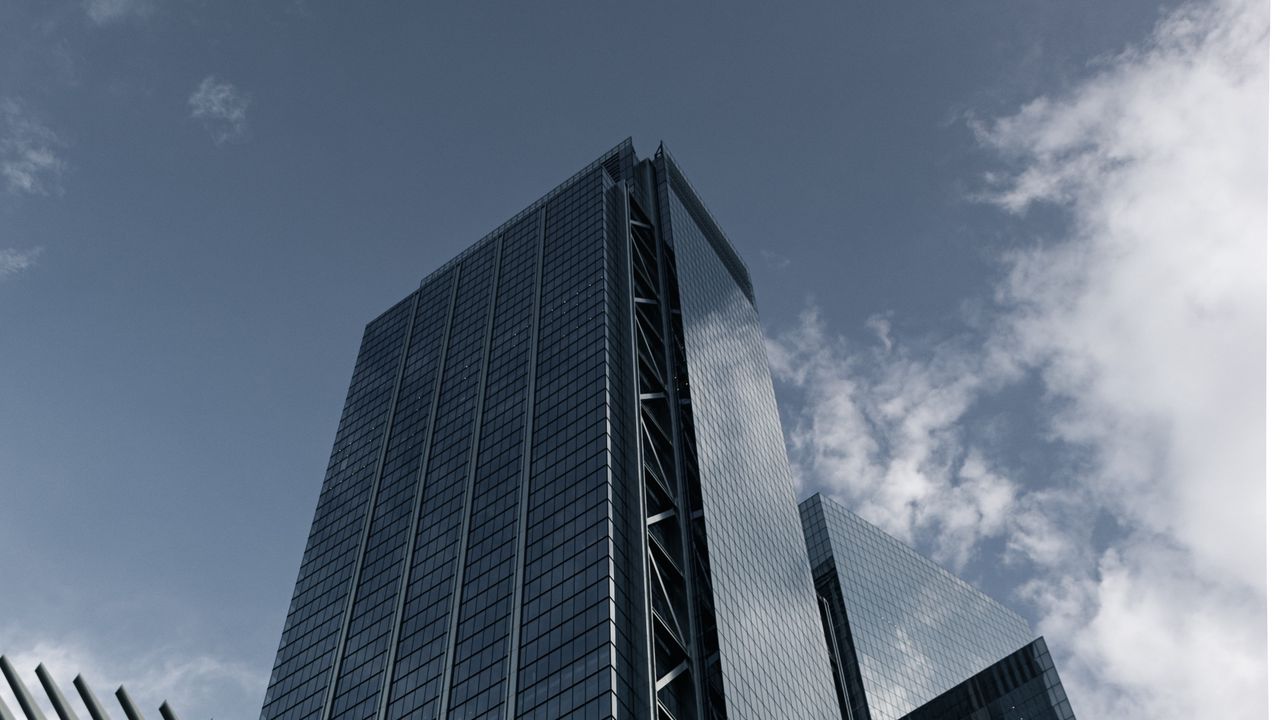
<point>647,710</point>
<point>368,517</point>
<point>522,518</point>
<point>674,639</point>
<point>460,569</point>
<point>411,532</point>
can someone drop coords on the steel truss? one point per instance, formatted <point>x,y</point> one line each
<point>686,682</point>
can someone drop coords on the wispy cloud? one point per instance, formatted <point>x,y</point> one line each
<point>1144,324</point>
<point>13,261</point>
<point>775,259</point>
<point>222,108</point>
<point>104,12</point>
<point>197,685</point>
<point>29,151</point>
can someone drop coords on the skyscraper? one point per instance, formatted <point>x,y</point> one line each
<point>911,640</point>
<point>559,486</point>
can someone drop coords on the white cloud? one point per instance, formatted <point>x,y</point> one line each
<point>1145,325</point>
<point>103,12</point>
<point>13,261</point>
<point>880,431</point>
<point>29,160</point>
<point>222,108</point>
<point>195,685</point>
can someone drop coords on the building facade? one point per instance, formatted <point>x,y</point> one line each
<point>559,486</point>
<point>1023,685</point>
<point>902,629</point>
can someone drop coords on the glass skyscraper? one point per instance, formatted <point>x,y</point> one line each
<point>559,486</point>
<point>904,631</point>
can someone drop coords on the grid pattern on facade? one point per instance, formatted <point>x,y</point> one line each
<point>359,680</point>
<point>844,656</point>
<point>620,158</point>
<point>480,660</point>
<point>565,667</point>
<point>304,662</point>
<point>411,568</point>
<point>917,628</point>
<point>416,683</point>
<point>479,548</point>
<point>707,226</point>
<point>1021,686</point>
<point>769,631</point>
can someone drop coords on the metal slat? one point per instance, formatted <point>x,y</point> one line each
<point>96,711</point>
<point>126,703</point>
<point>25,701</point>
<point>56,697</point>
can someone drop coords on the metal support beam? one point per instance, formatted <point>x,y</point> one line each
<point>96,711</point>
<point>526,466</point>
<point>25,701</point>
<point>376,487</point>
<point>460,569</point>
<point>130,710</point>
<point>666,679</point>
<point>674,639</point>
<point>411,533</point>
<point>60,704</point>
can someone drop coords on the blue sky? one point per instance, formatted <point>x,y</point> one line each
<point>1008,254</point>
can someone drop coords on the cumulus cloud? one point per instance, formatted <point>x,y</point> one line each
<point>199,685</point>
<point>1144,324</point>
<point>103,12</point>
<point>880,431</point>
<point>222,108</point>
<point>13,261</point>
<point>29,151</point>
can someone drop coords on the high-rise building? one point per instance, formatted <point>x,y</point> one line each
<point>904,631</point>
<point>559,486</point>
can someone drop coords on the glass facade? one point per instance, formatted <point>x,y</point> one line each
<point>558,487</point>
<point>1022,686</point>
<point>770,642</point>
<point>905,630</point>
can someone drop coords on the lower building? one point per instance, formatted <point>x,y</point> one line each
<point>1024,685</point>
<point>905,635</point>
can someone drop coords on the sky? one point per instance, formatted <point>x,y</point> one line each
<point>1008,256</point>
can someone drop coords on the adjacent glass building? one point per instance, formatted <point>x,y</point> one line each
<point>559,486</point>
<point>1022,686</point>
<point>902,630</point>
